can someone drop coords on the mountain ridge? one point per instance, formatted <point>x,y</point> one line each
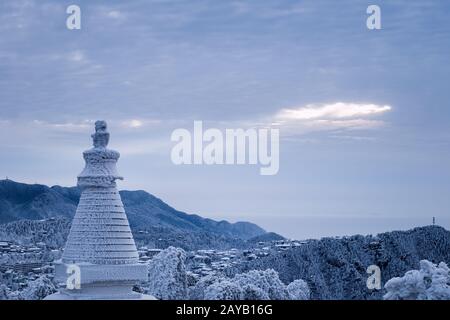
<point>20,201</point>
<point>336,268</point>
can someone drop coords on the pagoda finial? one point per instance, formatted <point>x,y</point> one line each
<point>101,135</point>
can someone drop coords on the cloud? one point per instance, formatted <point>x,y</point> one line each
<point>353,138</point>
<point>267,10</point>
<point>339,116</point>
<point>72,137</point>
<point>84,125</point>
<point>336,110</point>
<point>139,123</point>
<point>138,146</point>
<point>79,126</point>
<point>115,14</point>
<point>135,123</point>
<point>77,56</point>
<point>346,124</point>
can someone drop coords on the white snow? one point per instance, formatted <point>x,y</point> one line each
<point>431,282</point>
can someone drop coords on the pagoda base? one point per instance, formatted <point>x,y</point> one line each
<point>101,291</point>
<point>101,282</point>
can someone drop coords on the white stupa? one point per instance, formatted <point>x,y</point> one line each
<point>100,244</point>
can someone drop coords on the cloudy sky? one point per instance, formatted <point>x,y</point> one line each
<point>363,115</point>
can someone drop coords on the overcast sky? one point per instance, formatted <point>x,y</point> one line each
<point>363,115</point>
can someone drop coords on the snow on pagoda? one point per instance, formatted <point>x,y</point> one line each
<point>100,256</point>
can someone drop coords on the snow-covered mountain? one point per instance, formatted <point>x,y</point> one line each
<point>20,201</point>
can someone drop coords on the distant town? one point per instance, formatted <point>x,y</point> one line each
<point>20,263</point>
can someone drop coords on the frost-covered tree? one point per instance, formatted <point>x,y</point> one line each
<point>52,233</point>
<point>252,285</point>
<point>267,281</point>
<point>431,282</point>
<point>37,289</point>
<point>167,275</point>
<point>223,290</point>
<point>252,292</point>
<point>298,290</point>
<point>4,292</point>
<point>191,279</point>
<point>197,292</point>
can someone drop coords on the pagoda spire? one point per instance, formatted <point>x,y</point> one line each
<point>100,244</point>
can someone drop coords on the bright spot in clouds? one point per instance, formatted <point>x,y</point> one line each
<point>134,123</point>
<point>332,111</point>
<point>332,116</point>
<point>77,56</point>
<point>114,14</point>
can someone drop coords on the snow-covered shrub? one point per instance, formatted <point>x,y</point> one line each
<point>197,292</point>
<point>4,292</point>
<point>298,290</point>
<point>223,290</point>
<point>431,282</point>
<point>191,278</point>
<point>37,289</point>
<point>252,285</point>
<point>167,275</point>
<point>252,292</point>
<point>266,280</point>
<point>169,280</point>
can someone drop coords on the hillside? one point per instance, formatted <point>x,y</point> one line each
<point>266,237</point>
<point>53,232</point>
<point>336,268</point>
<point>145,212</point>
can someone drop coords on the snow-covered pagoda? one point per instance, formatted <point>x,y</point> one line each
<point>100,260</point>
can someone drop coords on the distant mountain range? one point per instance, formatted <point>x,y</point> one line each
<point>146,213</point>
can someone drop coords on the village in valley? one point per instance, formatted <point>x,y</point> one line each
<point>21,263</point>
